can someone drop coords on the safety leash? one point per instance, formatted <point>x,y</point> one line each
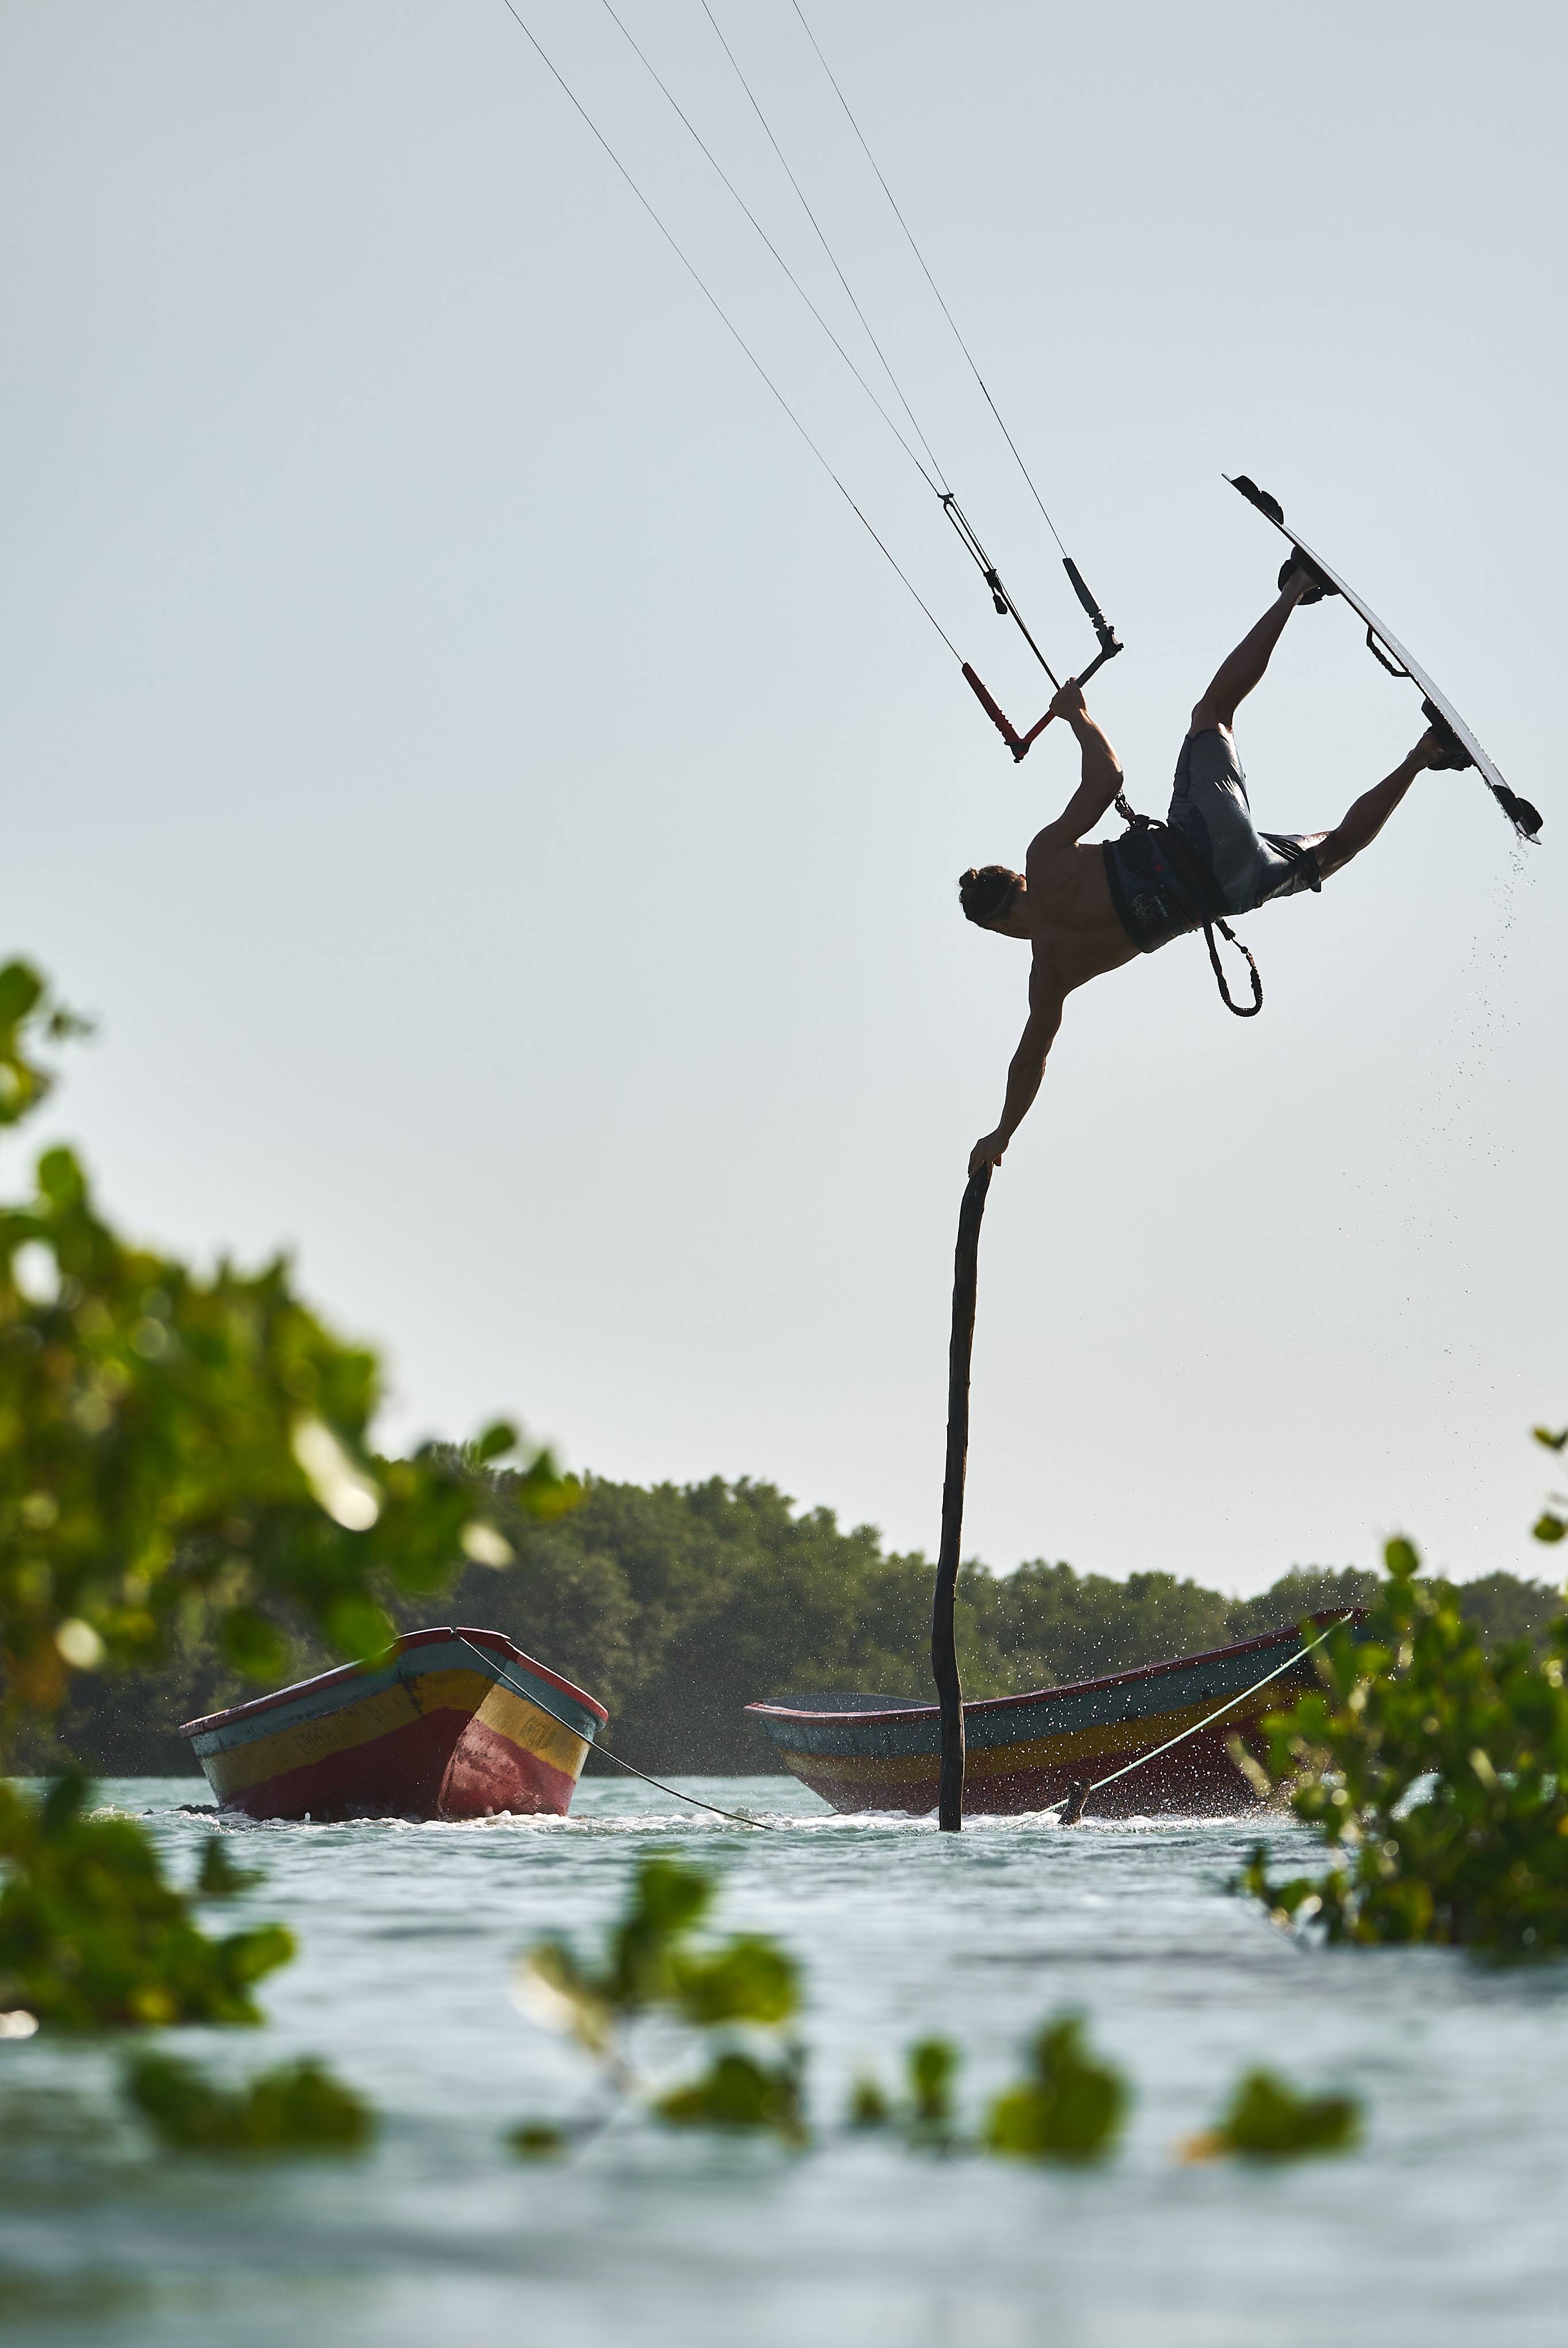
<point>1247,1011</point>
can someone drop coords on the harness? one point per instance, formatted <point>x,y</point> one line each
<point>1206,892</point>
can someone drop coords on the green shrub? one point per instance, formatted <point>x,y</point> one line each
<point>92,1932</point>
<point>1439,1774</point>
<point>650,1963</point>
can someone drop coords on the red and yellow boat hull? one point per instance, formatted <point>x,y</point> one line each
<point>452,1723</point>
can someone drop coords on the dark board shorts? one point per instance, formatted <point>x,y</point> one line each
<point>1210,809</point>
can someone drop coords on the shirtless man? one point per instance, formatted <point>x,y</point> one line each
<point>1086,911</point>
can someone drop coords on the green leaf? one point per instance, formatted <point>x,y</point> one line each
<point>551,1989</point>
<point>493,1442</point>
<point>538,2140</point>
<point>749,1979</point>
<point>358,1627</point>
<point>297,2109</point>
<point>1553,1442</point>
<point>61,1180</point>
<point>669,1897</point>
<point>29,1018</point>
<point>740,2094</point>
<point>1399,1557</point>
<point>20,989</point>
<point>1266,2119</point>
<point>63,1805</point>
<point>252,1645</point>
<point>869,2105</point>
<point>218,1878</point>
<point>1071,2107</point>
<point>1549,1526</point>
<point>933,2065</point>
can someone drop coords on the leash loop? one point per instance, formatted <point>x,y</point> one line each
<point>1246,1011</point>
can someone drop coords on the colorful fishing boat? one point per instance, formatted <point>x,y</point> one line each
<point>1027,1752</point>
<point>450,1723</point>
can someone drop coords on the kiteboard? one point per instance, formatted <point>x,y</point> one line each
<point>1387,648</point>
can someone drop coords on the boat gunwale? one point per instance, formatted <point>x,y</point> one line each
<point>1328,1617</point>
<point>345,1673</point>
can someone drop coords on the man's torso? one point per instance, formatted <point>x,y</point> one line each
<point>1074,924</point>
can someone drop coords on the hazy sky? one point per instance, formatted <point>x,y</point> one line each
<point>505,813</point>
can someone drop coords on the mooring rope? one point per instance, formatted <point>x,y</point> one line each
<point>1229,1705</point>
<point>736,1817</point>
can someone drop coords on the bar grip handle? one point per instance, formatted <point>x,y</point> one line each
<point>1080,589</point>
<point>1106,653</point>
<point>1003,725</point>
<point>1102,627</point>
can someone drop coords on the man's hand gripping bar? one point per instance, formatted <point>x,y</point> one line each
<point>1109,645</point>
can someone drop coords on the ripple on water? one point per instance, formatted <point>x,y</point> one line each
<point>1447,2227</point>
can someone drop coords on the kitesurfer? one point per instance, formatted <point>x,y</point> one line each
<point>1085,911</point>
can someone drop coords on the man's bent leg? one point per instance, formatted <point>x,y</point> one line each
<point>1236,677</point>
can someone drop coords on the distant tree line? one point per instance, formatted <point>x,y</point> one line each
<point>678,1605</point>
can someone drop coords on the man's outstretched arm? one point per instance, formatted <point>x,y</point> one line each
<point>1023,1076</point>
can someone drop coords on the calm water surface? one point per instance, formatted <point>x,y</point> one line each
<point>1450,2226</point>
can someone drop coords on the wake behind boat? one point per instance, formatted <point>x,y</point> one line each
<point>1027,1752</point>
<point>450,1723</point>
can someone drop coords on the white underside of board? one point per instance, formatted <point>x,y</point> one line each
<point>1392,645</point>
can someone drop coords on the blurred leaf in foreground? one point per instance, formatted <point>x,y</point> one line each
<point>870,2105</point>
<point>218,1878</point>
<point>299,2107</point>
<point>91,1931</point>
<point>651,1963</point>
<point>1070,2106</point>
<point>737,2091</point>
<point>927,2114</point>
<point>538,2140</point>
<point>1266,2119</point>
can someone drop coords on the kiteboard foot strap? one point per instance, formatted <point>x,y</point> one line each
<point>1261,499</point>
<point>1524,818</point>
<point>1453,752</point>
<point>1296,560</point>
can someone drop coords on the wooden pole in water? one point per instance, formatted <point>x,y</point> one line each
<point>944,1650</point>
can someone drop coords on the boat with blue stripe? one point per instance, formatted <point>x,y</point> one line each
<point>1027,1752</point>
